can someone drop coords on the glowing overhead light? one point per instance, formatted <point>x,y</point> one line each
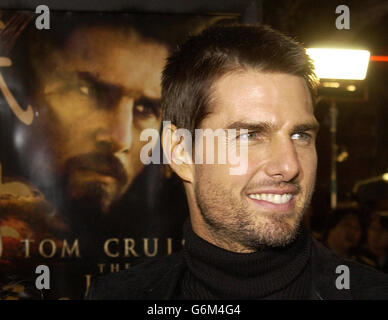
<point>331,84</point>
<point>385,176</point>
<point>339,63</point>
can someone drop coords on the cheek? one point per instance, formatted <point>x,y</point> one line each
<point>235,183</point>
<point>67,109</point>
<point>150,143</point>
<point>132,160</point>
<point>68,120</point>
<point>212,174</point>
<point>61,140</point>
<point>308,165</point>
<point>150,122</point>
<point>138,126</point>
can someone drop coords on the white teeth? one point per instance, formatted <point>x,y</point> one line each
<point>273,198</point>
<point>286,197</point>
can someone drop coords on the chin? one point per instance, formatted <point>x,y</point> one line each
<point>94,196</point>
<point>275,231</point>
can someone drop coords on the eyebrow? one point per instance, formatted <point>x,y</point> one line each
<point>310,126</point>
<point>267,126</point>
<point>251,126</point>
<point>98,83</point>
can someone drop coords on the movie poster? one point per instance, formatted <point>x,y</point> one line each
<point>76,101</point>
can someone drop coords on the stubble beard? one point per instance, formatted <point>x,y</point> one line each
<point>96,196</point>
<point>237,227</point>
<point>92,192</point>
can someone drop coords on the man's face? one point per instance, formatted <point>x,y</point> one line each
<point>264,206</point>
<point>97,95</point>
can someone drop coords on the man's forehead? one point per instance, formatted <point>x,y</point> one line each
<point>249,96</point>
<point>119,58</point>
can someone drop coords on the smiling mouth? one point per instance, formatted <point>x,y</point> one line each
<point>272,198</point>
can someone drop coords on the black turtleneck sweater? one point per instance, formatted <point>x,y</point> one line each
<point>271,273</point>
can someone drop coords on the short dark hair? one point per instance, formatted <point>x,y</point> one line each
<point>193,68</point>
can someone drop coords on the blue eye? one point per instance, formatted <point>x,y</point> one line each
<point>248,136</point>
<point>301,136</point>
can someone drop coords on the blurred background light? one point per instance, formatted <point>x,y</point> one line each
<point>379,58</point>
<point>339,63</point>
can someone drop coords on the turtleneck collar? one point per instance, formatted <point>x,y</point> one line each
<point>231,275</point>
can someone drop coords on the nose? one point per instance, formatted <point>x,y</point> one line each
<point>114,135</point>
<point>282,163</point>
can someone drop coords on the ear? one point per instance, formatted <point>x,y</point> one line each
<point>177,146</point>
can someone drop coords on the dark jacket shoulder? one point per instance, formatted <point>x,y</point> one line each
<point>364,282</point>
<point>158,279</point>
<point>155,279</point>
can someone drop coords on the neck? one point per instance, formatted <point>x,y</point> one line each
<point>219,240</point>
<point>226,274</point>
